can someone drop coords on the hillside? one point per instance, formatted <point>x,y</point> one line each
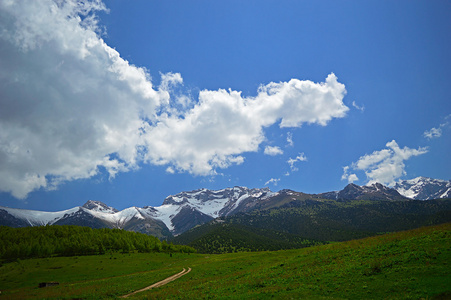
<point>185,210</point>
<point>222,237</point>
<point>315,220</point>
<point>404,265</point>
<point>339,221</point>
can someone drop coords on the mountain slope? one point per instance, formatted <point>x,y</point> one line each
<point>93,214</point>
<point>185,210</point>
<point>375,191</point>
<point>33,217</point>
<point>423,188</point>
<point>331,220</point>
<point>177,214</point>
<point>219,236</point>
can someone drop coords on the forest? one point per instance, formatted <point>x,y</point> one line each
<point>68,240</point>
<point>304,223</point>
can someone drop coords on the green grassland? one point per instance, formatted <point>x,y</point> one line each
<point>411,264</point>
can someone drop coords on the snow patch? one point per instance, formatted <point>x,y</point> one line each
<point>118,219</point>
<point>39,218</point>
<point>446,194</point>
<point>165,213</point>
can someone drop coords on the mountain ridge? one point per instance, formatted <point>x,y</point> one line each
<point>183,211</point>
<point>424,188</point>
<point>375,191</point>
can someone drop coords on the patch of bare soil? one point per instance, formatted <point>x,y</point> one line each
<point>160,283</point>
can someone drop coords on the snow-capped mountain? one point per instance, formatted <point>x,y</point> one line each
<point>93,214</point>
<point>423,188</point>
<point>185,210</point>
<point>219,203</point>
<point>375,191</point>
<point>27,217</point>
<point>100,207</point>
<point>177,214</point>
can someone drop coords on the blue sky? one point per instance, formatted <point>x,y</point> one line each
<point>127,102</point>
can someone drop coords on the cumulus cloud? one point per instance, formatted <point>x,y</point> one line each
<point>270,150</point>
<point>384,166</point>
<point>223,125</point>
<point>70,105</point>
<point>68,101</point>
<point>173,100</point>
<point>349,177</point>
<point>293,161</point>
<point>352,178</point>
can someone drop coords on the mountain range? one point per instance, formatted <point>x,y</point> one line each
<point>181,212</point>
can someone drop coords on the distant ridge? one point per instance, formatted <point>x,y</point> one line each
<point>375,191</point>
<point>424,188</point>
<point>185,210</point>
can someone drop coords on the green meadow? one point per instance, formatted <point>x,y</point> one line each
<point>411,264</point>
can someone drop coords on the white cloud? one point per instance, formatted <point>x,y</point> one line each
<point>170,170</point>
<point>69,105</point>
<point>297,102</point>
<point>292,161</point>
<point>384,166</point>
<point>175,102</point>
<point>290,139</point>
<point>270,150</point>
<point>352,178</point>
<point>361,108</point>
<point>223,124</point>
<point>168,81</point>
<point>68,101</point>
<point>436,132</point>
<point>349,177</point>
<point>433,133</point>
<point>273,181</point>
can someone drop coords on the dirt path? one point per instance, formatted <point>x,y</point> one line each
<point>160,283</point>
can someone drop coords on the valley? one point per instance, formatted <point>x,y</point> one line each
<point>410,264</point>
<point>367,242</point>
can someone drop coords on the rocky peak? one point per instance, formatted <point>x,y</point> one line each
<point>205,195</point>
<point>99,206</point>
<point>375,191</point>
<point>424,188</point>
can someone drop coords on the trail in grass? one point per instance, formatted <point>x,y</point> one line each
<point>160,283</point>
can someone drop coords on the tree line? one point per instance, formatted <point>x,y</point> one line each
<point>217,237</point>
<point>69,240</point>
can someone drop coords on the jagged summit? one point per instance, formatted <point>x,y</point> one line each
<point>205,195</point>
<point>424,188</point>
<point>186,210</point>
<point>99,206</point>
<point>375,191</point>
<point>208,204</point>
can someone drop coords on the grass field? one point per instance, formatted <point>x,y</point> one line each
<point>405,265</point>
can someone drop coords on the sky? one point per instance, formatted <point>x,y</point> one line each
<point>128,102</point>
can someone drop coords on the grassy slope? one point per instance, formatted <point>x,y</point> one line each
<point>411,264</point>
